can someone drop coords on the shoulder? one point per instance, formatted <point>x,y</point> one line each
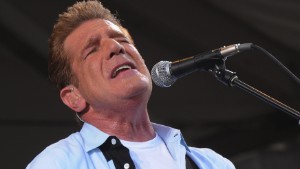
<point>210,158</point>
<point>59,154</point>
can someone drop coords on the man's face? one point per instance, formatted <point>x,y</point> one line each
<point>107,65</point>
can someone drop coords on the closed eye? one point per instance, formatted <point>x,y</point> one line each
<point>94,49</point>
<point>91,45</point>
<point>123,40</point>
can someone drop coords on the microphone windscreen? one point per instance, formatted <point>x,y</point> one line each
<point>161,74</point>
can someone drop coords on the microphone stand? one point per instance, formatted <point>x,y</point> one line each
<point>230,79</point>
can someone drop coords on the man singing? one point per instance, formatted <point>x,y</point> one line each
<point>102,77</point>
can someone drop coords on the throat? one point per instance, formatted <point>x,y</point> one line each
<point>129,131</point>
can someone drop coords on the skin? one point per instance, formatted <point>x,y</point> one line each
<point>115,105</point>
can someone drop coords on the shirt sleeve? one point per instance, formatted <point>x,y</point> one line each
<point>50,158</point>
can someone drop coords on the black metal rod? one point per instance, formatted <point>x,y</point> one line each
<point>265,97</point>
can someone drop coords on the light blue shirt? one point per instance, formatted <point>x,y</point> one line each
<point>80,151</point>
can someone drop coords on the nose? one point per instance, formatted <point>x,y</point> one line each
<point>114,48</point>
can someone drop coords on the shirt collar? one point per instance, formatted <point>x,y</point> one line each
<point>93,137</point>
<point>170,135</point>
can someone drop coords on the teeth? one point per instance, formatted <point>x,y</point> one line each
<point>120,68</point>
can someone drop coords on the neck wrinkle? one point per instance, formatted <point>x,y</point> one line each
<point>129,126</point>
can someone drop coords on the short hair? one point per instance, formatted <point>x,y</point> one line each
<point>59,63</point>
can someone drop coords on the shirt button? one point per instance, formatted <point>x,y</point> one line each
<point>126,166</point>
<point>113,141</point>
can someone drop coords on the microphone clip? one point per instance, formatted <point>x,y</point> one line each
<point>224,75</point>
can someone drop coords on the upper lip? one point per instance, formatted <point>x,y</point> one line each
<point>118,67</point>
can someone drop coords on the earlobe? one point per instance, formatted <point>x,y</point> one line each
<point>72,98</point>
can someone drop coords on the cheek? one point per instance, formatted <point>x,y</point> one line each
<point>133,52</point>
<point>86,73</point>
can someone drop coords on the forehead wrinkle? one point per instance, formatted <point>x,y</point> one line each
<point>114,30</point>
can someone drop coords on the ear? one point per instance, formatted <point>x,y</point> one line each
<point>70,95</point>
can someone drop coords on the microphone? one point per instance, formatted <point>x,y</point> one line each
<point>165,73</point>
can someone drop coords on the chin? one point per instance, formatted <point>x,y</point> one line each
<point>141,89</point>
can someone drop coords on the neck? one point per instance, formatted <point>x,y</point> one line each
<point>130,123</point>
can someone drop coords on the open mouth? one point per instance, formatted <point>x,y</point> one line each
<point>121,69</point>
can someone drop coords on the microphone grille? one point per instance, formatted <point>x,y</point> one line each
<point>161,74</point>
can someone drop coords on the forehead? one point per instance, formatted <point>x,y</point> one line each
<point>95,25</point>
<point>88,29</point>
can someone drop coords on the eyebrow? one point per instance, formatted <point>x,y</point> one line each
<point>116,34</point>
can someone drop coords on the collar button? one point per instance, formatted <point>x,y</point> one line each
<point>113,141</point>
<point>126,166</point>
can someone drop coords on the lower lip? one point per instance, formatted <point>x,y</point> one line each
<point>126,73</point>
